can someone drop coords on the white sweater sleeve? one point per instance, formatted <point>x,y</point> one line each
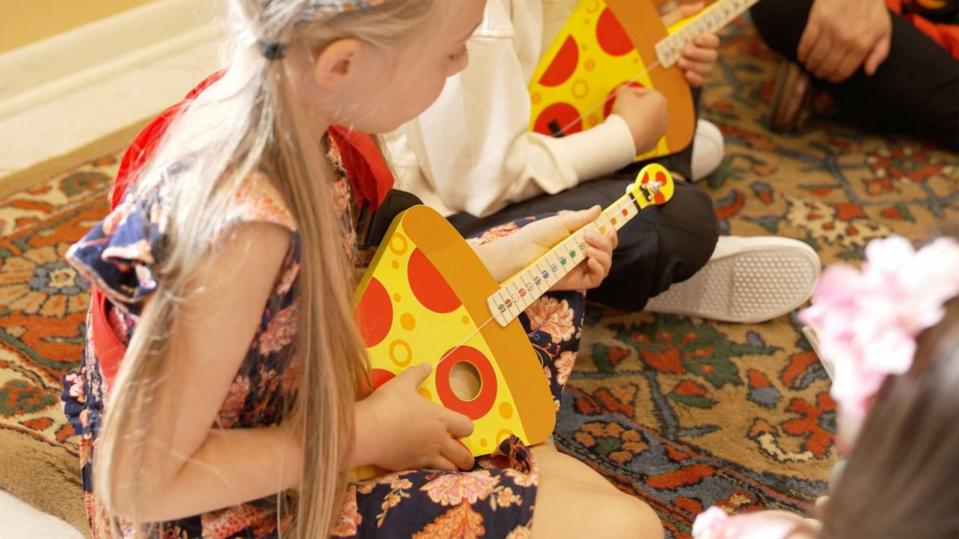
<point>474,146</point>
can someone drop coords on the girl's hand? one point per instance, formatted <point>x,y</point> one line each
<point>644,111</point>
<point>398,429</point>
<point>699,55</point>
<point>543,235</point>
<point>698,58</point>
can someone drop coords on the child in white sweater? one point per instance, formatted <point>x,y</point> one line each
<point>471,155</point>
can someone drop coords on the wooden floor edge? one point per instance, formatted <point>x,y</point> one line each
<point>45,170</point>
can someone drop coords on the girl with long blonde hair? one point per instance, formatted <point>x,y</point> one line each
<point>239,404</point>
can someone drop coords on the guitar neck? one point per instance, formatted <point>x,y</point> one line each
<point>529,284</point>
<point>708,21</point>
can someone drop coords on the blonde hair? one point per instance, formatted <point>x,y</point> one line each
<point>252,119</point>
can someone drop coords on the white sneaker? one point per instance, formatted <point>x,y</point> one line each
<point>709,147</point>
<point>747,280</point>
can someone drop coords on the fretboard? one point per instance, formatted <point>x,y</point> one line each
<point>529,284</point>
<point>710,20</point>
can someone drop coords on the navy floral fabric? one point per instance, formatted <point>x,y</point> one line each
<point>496,499</point>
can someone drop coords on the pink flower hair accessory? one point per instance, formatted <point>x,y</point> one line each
<point>715,523</point>
<point>867,320</point>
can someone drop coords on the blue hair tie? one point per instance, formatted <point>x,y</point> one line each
<point>271,50</point>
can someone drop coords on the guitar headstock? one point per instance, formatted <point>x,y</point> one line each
<point>653,186</point>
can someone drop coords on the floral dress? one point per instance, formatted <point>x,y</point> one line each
<point>495,499</point>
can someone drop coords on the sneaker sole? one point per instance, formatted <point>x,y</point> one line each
<point>750,286</point>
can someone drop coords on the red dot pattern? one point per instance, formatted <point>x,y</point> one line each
<point>563,65</point>
<point>483,402</point>
<point>374,313</point>
<point>429,286</point>
<point>659,197</point>
<point>380,377</point>
<point>612,38</point>
<point>562,114</point>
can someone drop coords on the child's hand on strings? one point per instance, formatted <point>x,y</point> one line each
<point>699,55</point>
<point>644,111</point>
<point>399,429</point>
<point>544,234</point>
<point>698,58</point>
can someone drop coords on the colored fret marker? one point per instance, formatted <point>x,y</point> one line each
<point>625,212</point>
<point>562,260</point>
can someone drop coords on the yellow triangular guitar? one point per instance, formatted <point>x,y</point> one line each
<point>427,297</point>
<point>608,43</point>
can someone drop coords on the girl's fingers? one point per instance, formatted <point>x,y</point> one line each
<point>877,56</point>
<point>602,258</point>
<point>845,67</point>
<point>694,79</point>
<point>598,240</point>
<point>701,69</point>
<point>819,55</point>
<point>457,425</point>
<point>456,453</point>
<point>595,273</point>
<point>708,41</point>
<point>573,221</point>
<point>415,375</point>
<point>809,39</point>
<point>701,55</point>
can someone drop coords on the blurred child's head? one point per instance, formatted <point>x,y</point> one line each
<point>893,332</point>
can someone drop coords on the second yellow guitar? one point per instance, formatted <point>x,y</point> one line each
<point>608,43</point>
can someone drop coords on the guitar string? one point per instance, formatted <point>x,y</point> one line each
<point>466,340</point>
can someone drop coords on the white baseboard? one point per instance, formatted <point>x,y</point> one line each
<point>43,70</point>
<point>61,93</point>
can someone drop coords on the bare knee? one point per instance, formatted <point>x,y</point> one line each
<point>626,516</point>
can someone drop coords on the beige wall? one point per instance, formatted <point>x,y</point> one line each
<point>25,21</point>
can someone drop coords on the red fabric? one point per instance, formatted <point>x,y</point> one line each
<point>108,347</point>
<point>945,35</point>
<point>143,146</point>
<point>368,172</point>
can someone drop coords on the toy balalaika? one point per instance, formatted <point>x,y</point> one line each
<point>608,43</point>
<point>427,297</point>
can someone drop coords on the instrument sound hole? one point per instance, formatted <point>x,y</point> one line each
<point>465,381</point>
